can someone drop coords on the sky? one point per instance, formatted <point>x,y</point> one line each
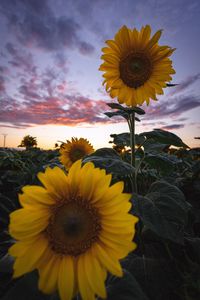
<point>50,52</point>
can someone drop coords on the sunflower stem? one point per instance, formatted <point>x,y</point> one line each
<point>132,144</point>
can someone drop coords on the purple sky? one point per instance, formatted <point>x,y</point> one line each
<point>50,54</point>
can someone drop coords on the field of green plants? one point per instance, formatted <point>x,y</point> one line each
<point>166,263</point>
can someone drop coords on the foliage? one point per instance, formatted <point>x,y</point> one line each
<point>166,263</point>
<point>28,142</point>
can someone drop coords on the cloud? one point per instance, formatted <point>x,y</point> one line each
<point>182,119</point>
<point>174,107</point>
<point>61,61</point>
<point>185,84</point>
<point>35,25</point>
<point>20,59</point>
<point>2,84</point>
<point>70,110</point>
<point>19,126</point>
<point>173,126</point>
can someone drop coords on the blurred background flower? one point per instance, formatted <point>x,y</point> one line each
<point>74,150</point>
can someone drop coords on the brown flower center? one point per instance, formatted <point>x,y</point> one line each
<point>135,69</point>
<point>74,226</point>
<point>76,154</point>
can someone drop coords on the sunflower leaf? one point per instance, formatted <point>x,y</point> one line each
<point>121,139</point>
<point>125,288</point>
<point>156,275</point>
<point>164,137</point>
<point>109,159</point>
<point>130,110</point>
<point>163,210</point>
<point>26,288</point>
<point>121,113</point>
<point>6,264</point>
<point>135,109</point>
<point>160,162</point>
<point>116,106</point>
<point>171,84</point>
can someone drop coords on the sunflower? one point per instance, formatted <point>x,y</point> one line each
<point>136,67</point>
<point>74,150</point>
<point>73,230</point>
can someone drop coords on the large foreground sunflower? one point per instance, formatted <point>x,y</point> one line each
<point>136,67</point>
<point>73,230</point>
<point>74,150</point>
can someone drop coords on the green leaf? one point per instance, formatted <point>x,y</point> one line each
<point>193,247</point>
<point>129,110</point>
<point>158,277</point>
<point>139,140</point>
<point>125,288</point>
<point>116,106</point>
<point>121,139</point>
<point>171,84</point>
<point>161,191</point>
<point>135,109</point>
<point>120,113</point>
<point>163,210</point>
<point>108,159</point>
<point>26,288</point>
<point>160,162</point>
<point>117,113</point>
<point>6,264</point>
<point>151,145</point>
<point>196,169</point>
<point>5,242</point>
<point>164,137</point>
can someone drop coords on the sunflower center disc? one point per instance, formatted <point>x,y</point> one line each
<point>76,154</point>
<point>73,227</point>
<point>135,69</point>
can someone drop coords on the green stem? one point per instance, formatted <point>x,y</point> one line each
<point>131,124</point>
<point>132,138</point>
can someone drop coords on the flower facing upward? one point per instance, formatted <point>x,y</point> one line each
<point>74,150</point>
<point>136,67</point>
<point>73,230</point>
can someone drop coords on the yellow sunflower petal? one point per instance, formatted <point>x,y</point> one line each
<point>87,187</point>
<point>110,58</point>
<point>107,261</point>
<point>83,284</point>
<point>117,250</point>
<point>145,36</point>
<point>155,38</point>
<point>101,185</point>
<point>95,274</point>
<point>33,195</point>
<point>20,248</point>
<point>73,176</point>
<point>28,261</point>
<point>66,280</point>
<point>113,46</point>
<point>27,223</point>
<point>114,92</point>
<point>122,38</point>
<point>48,279</point>
<point>55,181</point>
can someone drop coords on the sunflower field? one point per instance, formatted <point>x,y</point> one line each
<point>117,223</point>
<point>166,262</point>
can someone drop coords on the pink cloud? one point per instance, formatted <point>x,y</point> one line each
<point>51,110</point>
